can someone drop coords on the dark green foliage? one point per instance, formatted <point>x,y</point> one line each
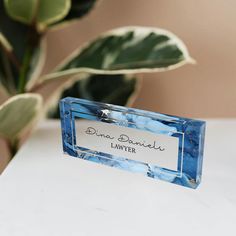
<point>79,8</point>
<point>114,89</point>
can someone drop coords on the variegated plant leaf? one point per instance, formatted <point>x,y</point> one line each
<point>14,32</point>
<point>41,12</point>
<point>5,43</point>
<point>5,47</point>
<point>7,82</point>
<point>17,113</point>
<point>114,89</point>
<point>126,50</point>
<point>79,8</point>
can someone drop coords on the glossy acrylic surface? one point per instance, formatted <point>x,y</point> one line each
<point>190,134</point>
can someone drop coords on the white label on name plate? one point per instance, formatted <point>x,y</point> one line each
<point>144,146</point>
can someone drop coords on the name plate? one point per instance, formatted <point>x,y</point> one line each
<point>160,146</point>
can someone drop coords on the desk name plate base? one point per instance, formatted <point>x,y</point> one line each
<point>160,146</point>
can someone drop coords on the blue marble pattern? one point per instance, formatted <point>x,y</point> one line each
<point>190,132</point>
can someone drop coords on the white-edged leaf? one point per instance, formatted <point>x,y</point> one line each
<point>114,89</point>
<point>126,50</point>
<point>17,113</point>
<point>79,8</point>
<point>15,33</point>
<point>5,43</point>
<point>42,12</point>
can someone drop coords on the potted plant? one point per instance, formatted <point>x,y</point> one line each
<point>104,69</point>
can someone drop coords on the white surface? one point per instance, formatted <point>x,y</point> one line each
<point>43,193</point>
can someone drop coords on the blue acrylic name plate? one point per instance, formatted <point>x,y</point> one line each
<point>160,146</point>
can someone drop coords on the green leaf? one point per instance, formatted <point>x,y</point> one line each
<point>16,34</point>
<point>17,113</point>
<point>114,89</point>
<point>79,8</point>
<point>42,12</point>
<point>126,50</point>
<point>5,43</point>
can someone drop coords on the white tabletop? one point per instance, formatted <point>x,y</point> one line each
<point>43,193</point>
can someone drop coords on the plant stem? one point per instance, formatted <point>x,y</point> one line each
<point>9,81</point>
<point>11,56</point>
<point>32,43</point>
<point>24,69</point>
